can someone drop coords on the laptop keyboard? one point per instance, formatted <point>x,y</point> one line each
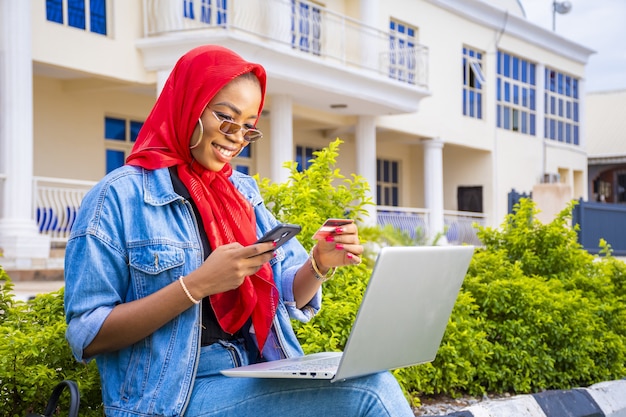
<point>313,365</point>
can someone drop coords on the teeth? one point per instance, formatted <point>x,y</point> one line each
<point>225,152</point>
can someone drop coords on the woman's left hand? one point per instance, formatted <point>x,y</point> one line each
<point>340,247</point>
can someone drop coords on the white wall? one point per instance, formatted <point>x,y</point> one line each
<point>69,127</point>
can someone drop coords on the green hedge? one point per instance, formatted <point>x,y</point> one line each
<point>536,311</point>
<point>34,356</point>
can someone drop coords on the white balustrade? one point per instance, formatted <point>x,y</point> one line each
<point>56,202</point>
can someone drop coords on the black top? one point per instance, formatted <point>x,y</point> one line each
<point>211,330</point>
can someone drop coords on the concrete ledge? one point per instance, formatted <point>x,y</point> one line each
<point>605,399</point>
<point>610,397</point>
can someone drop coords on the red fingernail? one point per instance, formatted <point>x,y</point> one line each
<point>274,244</point>
<point>339,246</point>
<point>349,255</point>
<point>330,238</point>
<point>339,230</point>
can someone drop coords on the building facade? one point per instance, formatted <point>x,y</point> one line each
<point>607,146</point>
<point>444,106</point>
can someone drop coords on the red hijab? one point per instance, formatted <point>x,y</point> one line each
<point>227,216</point>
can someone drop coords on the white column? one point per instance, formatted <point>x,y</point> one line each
<point>433,186</point>
<point>281,136</point>
<point>19,237</point>
<point>368,10</point>
<point>365,138</point>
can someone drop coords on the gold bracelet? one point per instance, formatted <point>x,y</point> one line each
<point>187,293</point>
<point>316,272</point>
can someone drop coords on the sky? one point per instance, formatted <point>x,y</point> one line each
<point>597,24</point>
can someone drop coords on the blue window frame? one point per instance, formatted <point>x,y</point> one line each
<point>76,13</point>
<point>402,58</point>
<point>562,123</point>
<point>306,27</point>
<point>98,16</point>
<point>387,182</point>
<point>114,159</point>
<point>54,11</point>
<point>243,162</point>
<point>119,135</point>
<point>188,9</point>
<point>516,108</point>
<point>473,81</point>
<point>212,12</point>
<point>76,16</point>
<point>304,157</point>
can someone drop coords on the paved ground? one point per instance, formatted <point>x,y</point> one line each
<point>23,290</point>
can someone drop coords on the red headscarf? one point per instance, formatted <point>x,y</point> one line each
<point>227,216</point>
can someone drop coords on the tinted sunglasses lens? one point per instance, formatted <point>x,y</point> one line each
<point>229,128</point>
<point>252,135</point>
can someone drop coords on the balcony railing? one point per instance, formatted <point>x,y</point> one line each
<point>459,225</point>
<point>56,202</point>
<point>300,26</point>
<point>412,221</point>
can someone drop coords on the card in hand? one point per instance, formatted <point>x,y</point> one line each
<point>329,226</point>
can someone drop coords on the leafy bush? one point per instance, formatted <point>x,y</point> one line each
<point>34,356</point>
<point>308,198</point>
<point>536,312</point>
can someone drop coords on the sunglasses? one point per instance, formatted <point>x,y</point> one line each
<point>229,127</point>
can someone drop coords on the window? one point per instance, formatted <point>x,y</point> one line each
<point>306,27</point>
<point>188,11</point>
<point>515,94</point>
<point>387,183</point>
<point>304,157</point>
<point>473,80</point>
<point>402,59</point>
<point>87,15</point>
<point>119,137</point>
<point>562,112</point>
<point>208,13</point>
<point>470,199</point>
<point>621,188</point>
<point>243,162</point>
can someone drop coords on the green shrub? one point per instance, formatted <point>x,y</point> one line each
<point>308,198</point>
<point>34,355</point>
<point>536,311</point>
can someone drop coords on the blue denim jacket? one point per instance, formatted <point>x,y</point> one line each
<point>134,235</point>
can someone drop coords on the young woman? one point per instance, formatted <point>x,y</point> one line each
<point>165,286</point>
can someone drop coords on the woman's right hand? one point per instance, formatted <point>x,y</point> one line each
<point>226,268</point>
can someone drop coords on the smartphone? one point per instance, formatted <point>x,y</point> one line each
<point>280,234</point>
<point>329,226</point>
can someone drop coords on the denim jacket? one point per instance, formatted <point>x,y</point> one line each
<point>134,235</point>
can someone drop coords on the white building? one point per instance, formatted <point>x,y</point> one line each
<point>444,106</point>
<point>607,149</point>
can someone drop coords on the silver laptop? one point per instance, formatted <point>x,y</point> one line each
<point>401,320</point>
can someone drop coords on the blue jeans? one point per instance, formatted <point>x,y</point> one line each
<point>213,394</point>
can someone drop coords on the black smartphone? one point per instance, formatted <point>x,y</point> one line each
<point>280,234</point>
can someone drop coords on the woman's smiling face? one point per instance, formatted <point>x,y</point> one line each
<point>238,102</point>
